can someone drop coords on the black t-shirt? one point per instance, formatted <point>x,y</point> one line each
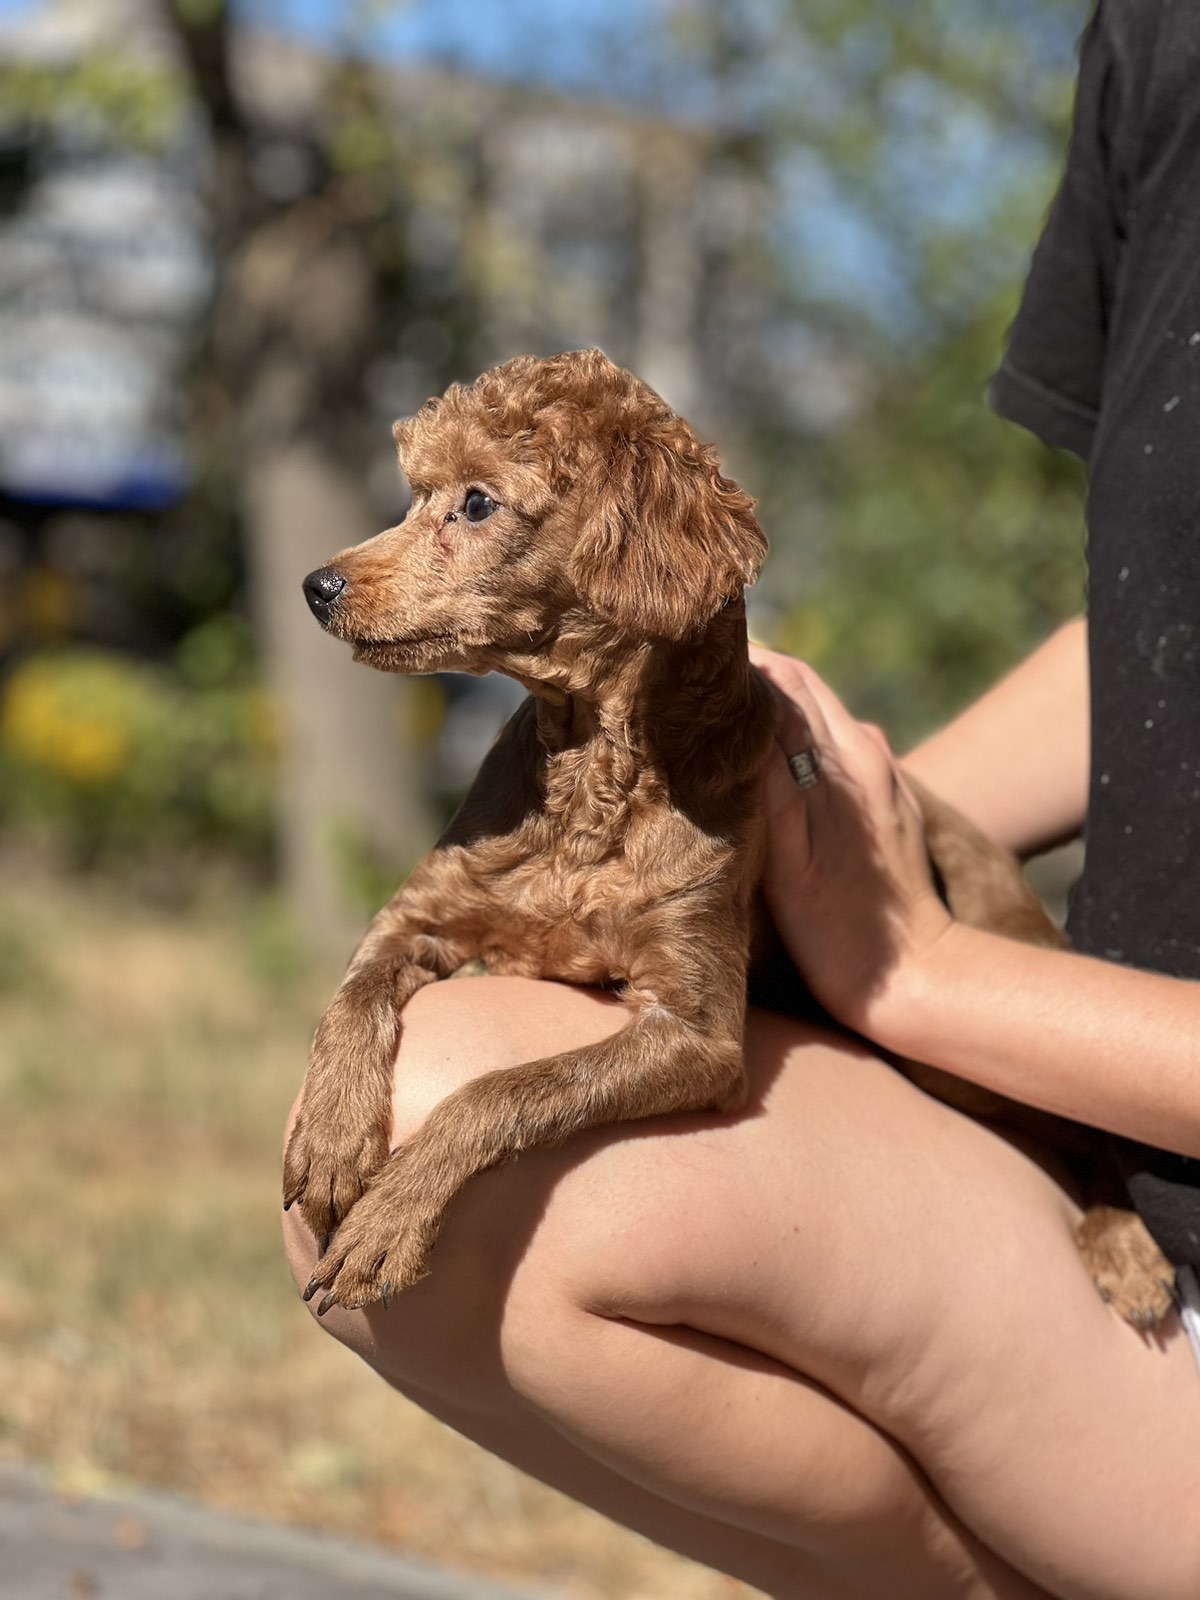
<point>1104,359</point>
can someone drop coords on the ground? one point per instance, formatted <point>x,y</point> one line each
<point>144,1547</point>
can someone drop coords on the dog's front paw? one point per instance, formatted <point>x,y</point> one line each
<point>327,1168</point>
<point>1126,1265</point>
<point>380,1250</point>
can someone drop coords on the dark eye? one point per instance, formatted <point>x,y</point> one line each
<point>479,506</point>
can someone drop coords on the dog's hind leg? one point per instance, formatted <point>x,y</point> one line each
<point>1126,1265</point>
<point>657,1064</point>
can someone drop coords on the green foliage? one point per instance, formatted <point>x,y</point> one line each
<point>950,542</point>
<point>196,13</point>
<point>22,969</point>
<point>131,104</point>
<point>275,954</point>
<point>933,544</point>
<point>117,759</point>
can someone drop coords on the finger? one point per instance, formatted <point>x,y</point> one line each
<point>825,713</point>
<point>860,749</point>
<point>813,717</point>
<point>908,795</point>
<point>801,723</point>
<point>873,732</point>
<point>789,811</point>
<point>821,702</point>
<point>788,802</point>
<point>874,761</point>
<point>795,731</point>
<point>783,673</point>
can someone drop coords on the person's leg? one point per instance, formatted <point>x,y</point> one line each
<point>765,1475</point>
<point>698,1442</point>
<point>847,1232</point>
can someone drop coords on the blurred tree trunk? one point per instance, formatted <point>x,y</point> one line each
<point>295,313</point>
<point>668,303</point>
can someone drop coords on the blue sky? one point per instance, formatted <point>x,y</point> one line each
<point>567,42</point>
<point>599,46</point>
<point>626,50</point>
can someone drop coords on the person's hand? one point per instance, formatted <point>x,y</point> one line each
<point>847,875</point>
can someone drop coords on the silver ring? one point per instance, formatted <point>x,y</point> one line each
<point>805,768</point>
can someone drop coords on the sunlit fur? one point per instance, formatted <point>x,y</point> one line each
<point>615,526</point>
<point>614,833</point>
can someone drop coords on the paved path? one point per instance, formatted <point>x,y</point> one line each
<point>149,1547</point>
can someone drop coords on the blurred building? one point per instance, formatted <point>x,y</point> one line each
<point>103,272</point>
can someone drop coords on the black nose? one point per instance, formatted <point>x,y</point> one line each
<point>321,589</point>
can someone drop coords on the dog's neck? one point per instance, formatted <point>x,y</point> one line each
<point>691,717</point>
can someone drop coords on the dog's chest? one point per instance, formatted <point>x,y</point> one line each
<point>557,913</point>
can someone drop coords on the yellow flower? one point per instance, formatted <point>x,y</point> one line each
<point>69,716</point>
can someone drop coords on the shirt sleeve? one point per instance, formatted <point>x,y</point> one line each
<point>1051,379</point>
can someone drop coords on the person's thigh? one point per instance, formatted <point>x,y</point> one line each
<point>844,1265</point>
<point>699,1442</point>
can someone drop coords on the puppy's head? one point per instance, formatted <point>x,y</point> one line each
<point>548,495</point>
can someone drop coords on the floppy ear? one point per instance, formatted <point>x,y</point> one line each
<point>667,540</point>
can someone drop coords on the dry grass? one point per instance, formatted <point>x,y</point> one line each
<point>149,1331</point>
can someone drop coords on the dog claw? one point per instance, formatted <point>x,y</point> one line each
<point>330,1299</point>
<point>311,1290</point>
<point>385,1295</point>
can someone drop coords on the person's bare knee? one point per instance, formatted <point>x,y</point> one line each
<point>444,1332</point>
<point>455,1031</point>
